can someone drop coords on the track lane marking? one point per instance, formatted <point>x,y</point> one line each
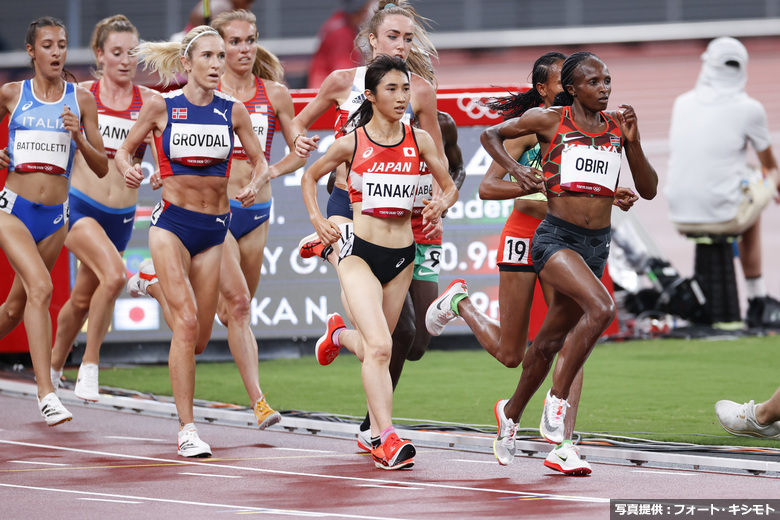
<point>39,463</point>
<point>208,475</point>
<point>572,498</point>
<point>112,500</point>
<point>243,509</point>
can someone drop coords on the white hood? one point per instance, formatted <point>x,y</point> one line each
<point>719,82</point>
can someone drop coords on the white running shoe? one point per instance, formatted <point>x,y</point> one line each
<point>364,440</point>
<point>140,281</point>
<point>554,412</point>
<point>52,410</point>
<point>87,387</point>
<point>190,444</point>
<point>566,459</point>
<point>440,312</point>
<point>56,378</point>
<point>740,419</point>
<point>504,444</point>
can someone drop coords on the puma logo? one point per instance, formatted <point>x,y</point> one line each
<point>221,220</point>
<point>222,114</point>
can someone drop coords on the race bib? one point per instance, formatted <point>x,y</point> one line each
<point>516,250</point>
<point>7,200</point>
<point>347,230</point>
<point>114,131</point>
<point>388,195</point>
<point>199,145</point>
<point>259,127</point>
<point>424,189</point>
<point>590,170</point>
<point>41,151</point>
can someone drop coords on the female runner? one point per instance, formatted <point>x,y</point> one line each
<point>581,146</point>
<point>102,211</point>
<point>506,339</point>
<point>193,133</point>
<point>252,76</point>
<point>395,29</point>
<point>47,114</point>
<point>377,261</point>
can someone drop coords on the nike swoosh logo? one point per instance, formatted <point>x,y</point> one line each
<point>425,272</point>
<point>562,458</point>
<point>258,217</point>
<point>128,220</point>
<point>566,139</point>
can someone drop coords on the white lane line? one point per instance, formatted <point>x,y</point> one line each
<point>40,463</point>
<point>305,451</point>
<point>386,486</point>
<point>121,438</point>
<point>243,509</point>
<point>476,461</point>
<point>112,500</point>
<point>213,465</point>
<point>208,475</point>
<point>665,472</point>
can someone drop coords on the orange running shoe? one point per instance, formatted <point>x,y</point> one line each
<point>398,453</point>
<point>327,350</point>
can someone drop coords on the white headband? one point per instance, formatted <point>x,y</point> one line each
<point>187,48</point>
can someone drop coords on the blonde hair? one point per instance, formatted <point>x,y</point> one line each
<point>419,59</point>
<point>266,65</point>
<point>106,26</point>
<point>164,58</point>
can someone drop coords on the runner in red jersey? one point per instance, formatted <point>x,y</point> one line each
<point>581,146</point>
<point>376,262</point>
<point>102,210</point>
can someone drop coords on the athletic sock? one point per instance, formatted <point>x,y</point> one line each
<point>376,442</point>
<point>456,300</point>
<point>385,434</point>
<point>335,336</point>
<point>366,424</point>
<point>756,288</point>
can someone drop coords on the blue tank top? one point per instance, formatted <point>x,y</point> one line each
<point>37,139</point>
<point>197,140</point>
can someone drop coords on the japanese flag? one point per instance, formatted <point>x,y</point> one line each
<point>132,314</point>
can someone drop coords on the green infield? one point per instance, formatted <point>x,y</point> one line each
<point>662,390</point>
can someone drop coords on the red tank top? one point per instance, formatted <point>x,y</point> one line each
<point>384,178</point>
<point>581,162</point>
<point>263,117</point>
<point>115,124</point>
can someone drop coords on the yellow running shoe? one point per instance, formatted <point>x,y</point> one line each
<point>266,416</point>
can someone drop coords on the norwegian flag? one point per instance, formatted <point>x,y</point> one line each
<point>179,113</point>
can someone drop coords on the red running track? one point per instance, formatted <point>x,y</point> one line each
<point>111,464</point>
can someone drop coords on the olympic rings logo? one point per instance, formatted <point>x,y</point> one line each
<point>474,109</point>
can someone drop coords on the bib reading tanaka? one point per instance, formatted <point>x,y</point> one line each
<point>198,144</point>
<point>588,169</point>
<point>39,151</point>
<point>388,195</point>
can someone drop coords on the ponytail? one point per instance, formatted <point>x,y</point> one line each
<point>515,105</point>
<point>164,58</point>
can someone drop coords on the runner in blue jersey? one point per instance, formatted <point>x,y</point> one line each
<point>49,119</point>
<point>193,134</point>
